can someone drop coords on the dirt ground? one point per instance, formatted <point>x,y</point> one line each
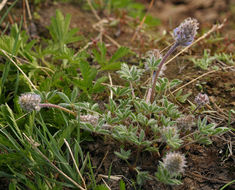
<point>208,167</point>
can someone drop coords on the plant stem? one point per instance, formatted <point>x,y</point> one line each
<point>199,105</point>
<point>132,90</point>
<point>137,156</point>
<point>151,92</point>
<point>58,107</point>
<point>190,134</point>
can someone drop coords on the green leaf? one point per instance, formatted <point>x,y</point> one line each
<point>123,154</point>
<point>142,135</point>
<point>98,87</point>
<point>60,32</point>
<point>100,56</point>
<point>64,97</point>
<point>113,63</point>
<point>74,95</point>
<point>130,74</point>
<point>101,187</point>
<point>151,21</point>
<point>121,52</point>
<point>118,91</point>
<point>111,66</point>
<point>122,185</point>
<point>142,177</point>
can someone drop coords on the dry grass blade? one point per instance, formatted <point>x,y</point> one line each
<point>93,10</point>
<point>106,184</point>
<point>142,21</point>
<point>54,166</point>
<point>111,85</point>
<point>28,9</point>
<point>99,26</point>
<point>27,78</point>
<point>200,77</point>
<point>112,177</point>
<point>2,4</point>
<point>112,40</point>
<point>39,67</point>
<point>206,178</point>
<point>74,161</point>
<point>105,156</point>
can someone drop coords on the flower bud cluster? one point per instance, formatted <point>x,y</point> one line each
<point>30,101</point>
<point>202,99</point>
<point>174,163</point>
<point>90,119</point>
<point>186,122</point>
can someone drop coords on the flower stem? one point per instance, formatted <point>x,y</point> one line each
<point>58,107</point>
<point>198,106</point>
<point>151,92</point>
<point>132,90</point>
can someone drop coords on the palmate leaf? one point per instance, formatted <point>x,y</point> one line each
<point>100,56</point>
<point>86,82</point>
<point>8,43</point>
<point>182,98</point>
<point>118,91</point>
<point>124,155</point>
<point>59,30</point>
<point>130,74</point>
<point>210,129</point>
<point>98,86</point>
<point>111,66</point>
<point>88,75</point>
<point>121,52</point>
<point>74,95</point>
<point>114,62</point>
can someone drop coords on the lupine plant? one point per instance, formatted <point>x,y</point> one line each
<point>184,35</point>
<point>132,120</point>
<point>44,130</point>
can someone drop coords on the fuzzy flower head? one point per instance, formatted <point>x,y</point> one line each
<point>92,119</point>
<point>30,101</point>
<point>202,99</point>
<point>174,163</point>
<point>186,122</point>
<point>184,34</point>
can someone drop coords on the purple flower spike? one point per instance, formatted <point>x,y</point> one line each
<point>184,34</point>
